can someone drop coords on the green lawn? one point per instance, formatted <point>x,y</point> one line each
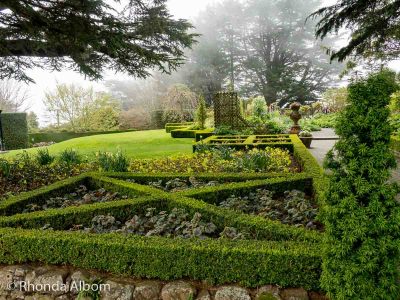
<point>139,144</point>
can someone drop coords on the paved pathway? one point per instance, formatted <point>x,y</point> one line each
<point>320,148</point>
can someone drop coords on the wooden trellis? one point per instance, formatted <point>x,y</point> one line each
<point>227,110</point>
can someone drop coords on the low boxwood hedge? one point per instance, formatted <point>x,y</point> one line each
<point>59,137</point>
<point>189,133</point>
<point>251,263</point>
<point>280,254</point>
<point>172,126</point>
<point>247,142</point>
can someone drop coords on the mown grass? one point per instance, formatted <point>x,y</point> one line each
<point>139,144</point>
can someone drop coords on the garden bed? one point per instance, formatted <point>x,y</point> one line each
<point>261,251</point>
<point>242,142</point>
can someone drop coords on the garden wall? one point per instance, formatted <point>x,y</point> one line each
<point>52,282</point>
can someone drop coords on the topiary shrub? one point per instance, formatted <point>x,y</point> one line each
<point>15,130</point>
<point>361,216</point>
<point>201,113</point>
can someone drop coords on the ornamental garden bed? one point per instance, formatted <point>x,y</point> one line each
<point>141,236</point>
<point>283,141</point>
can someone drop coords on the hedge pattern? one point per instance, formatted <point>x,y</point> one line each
<point>280,254</point>
<point>172,126</point>
<point>247,142</point>
<point>186,133</point>
<point>15,130</point>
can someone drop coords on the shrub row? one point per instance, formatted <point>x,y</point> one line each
<point>251,263</point>
<point>172,126</point>
<point>247,142</point>
<point>15,130</point>
<point>189,133</point>
<point>58,137</point>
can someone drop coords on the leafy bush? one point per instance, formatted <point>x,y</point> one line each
<point>112,162</point>
<point>70,157</point>
<point>259,108</point>
<point>361,216</point>
<point>325,120</point>
<point>43,157</point>
<point>309,124</point>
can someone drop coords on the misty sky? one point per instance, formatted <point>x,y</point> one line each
<point>46,81</point>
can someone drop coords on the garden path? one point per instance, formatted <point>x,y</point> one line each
<point>320,148</point>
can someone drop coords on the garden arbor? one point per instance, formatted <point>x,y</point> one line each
<point>227,110</point>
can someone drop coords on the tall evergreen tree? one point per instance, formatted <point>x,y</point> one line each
<point>361,215</point>
<point>89,36</point>
<point>265,48</point>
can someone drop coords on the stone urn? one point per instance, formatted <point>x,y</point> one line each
<point>295,116</point>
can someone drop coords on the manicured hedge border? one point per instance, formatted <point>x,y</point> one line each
<point>189,133</point>
<point>59,137</point>
<point>249,142</point>
<point>251,263</point>
<point>172,126</point>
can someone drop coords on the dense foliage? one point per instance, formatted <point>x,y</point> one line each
<point>90,36</point>
<point>361,217</point>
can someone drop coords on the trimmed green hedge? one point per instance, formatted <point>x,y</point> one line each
<point>59,137</point>
<point>15,130</point>
<point>187,133</point>
<point>248,142</point>
<point>172,126</point>
<point>251,263</point>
